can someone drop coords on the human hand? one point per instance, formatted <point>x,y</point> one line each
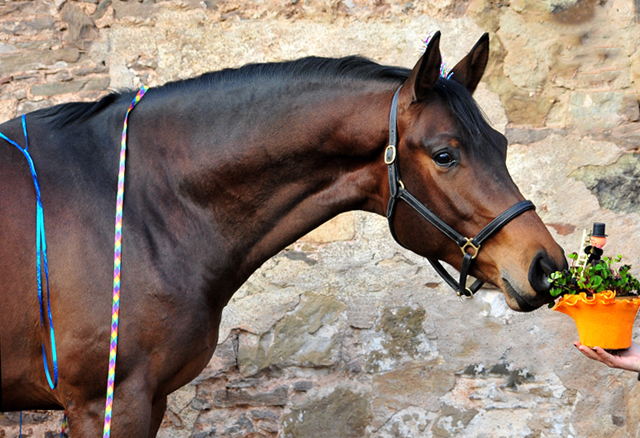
<point>628,359</point>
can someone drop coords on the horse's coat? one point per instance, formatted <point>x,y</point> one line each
<point>223,172</point>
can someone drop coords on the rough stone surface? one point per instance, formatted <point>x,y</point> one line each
<point>616,186</point>
<point>344,333</point>
<point>309,337</point>
<point>340,228</point>
<point>227,398</point>
<point>35,60</point>
<point>340,414</point>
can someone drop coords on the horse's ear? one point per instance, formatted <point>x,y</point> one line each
<point>469,71</point>
<point>425,74</point>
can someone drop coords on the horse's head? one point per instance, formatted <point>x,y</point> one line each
<point>449,159</point>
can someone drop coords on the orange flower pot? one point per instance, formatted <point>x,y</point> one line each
<point>602,320</point>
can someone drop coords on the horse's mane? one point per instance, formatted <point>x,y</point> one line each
<point>335,70</point>
<point>65,114</point>
<point>312,67</point>
<point>348,68</point>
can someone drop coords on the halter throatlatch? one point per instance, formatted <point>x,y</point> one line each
<point>470,247</point>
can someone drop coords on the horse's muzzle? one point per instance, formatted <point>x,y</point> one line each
<point>540,270</point>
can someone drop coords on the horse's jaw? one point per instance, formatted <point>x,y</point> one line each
<point>520,302</point>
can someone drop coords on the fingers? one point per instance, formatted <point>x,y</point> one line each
<point>626,360</point>
<point>608,359</point>
<point>587,351</point>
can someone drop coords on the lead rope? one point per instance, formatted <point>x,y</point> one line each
<point>117,262</point>
<point>41,260</point>
<point>41,251</point>
<point>64,430</point>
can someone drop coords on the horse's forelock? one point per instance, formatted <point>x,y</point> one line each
<point>476,130</point>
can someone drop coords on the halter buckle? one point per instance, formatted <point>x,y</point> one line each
<point>390,154</point>
<point>469,244</point>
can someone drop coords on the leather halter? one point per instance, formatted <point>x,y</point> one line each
<point>469,246</point>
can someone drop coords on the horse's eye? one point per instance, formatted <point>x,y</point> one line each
<point>444,159</point>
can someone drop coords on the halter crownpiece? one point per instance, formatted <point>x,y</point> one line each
<point>470,247</point>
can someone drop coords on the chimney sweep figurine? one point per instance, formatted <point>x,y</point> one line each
<point>597,241</point>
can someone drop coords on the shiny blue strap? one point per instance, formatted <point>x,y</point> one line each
<point>41,257</point>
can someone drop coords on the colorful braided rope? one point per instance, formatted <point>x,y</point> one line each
<point>65,426</point>
<point>117,261</point>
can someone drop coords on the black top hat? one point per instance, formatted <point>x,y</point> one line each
<point>598,230</point>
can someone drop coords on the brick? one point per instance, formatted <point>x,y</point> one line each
<point>23,8</point>
<point>28,106</point>
<point>55,88</point>
<point>21,62</point>
<point>80,26</point>
<point>224,398</point>
<point>97,84</point>
<point>28,27</point>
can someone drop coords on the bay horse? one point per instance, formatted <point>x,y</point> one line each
<point>224,171</point>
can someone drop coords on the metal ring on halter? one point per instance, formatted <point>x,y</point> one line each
<point>469,244</point>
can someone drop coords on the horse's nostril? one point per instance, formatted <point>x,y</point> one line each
<point>547,265</point>
<point>541,268</point>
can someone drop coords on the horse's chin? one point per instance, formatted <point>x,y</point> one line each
<point>518,301</point>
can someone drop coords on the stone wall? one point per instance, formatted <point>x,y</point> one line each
<point>345,334</point>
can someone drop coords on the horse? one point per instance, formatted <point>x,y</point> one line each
<point>223,171</point>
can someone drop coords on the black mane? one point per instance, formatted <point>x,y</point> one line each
<point>76,112</point>
<point>350,68</point>
<point>313,67</point>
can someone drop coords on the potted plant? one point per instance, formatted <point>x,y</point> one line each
<point>602,300</point>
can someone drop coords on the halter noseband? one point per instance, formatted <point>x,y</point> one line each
<point>398,191</point>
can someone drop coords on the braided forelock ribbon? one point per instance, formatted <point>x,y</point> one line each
<point>117,262</point>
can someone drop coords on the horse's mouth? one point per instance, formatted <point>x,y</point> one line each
<point>522,304</point>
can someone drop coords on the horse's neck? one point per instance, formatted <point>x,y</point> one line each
<point>272,176</point>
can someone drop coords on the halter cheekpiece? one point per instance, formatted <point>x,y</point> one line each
<point>470,247</point>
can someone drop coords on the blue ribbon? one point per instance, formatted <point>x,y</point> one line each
<point>41,256</point>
